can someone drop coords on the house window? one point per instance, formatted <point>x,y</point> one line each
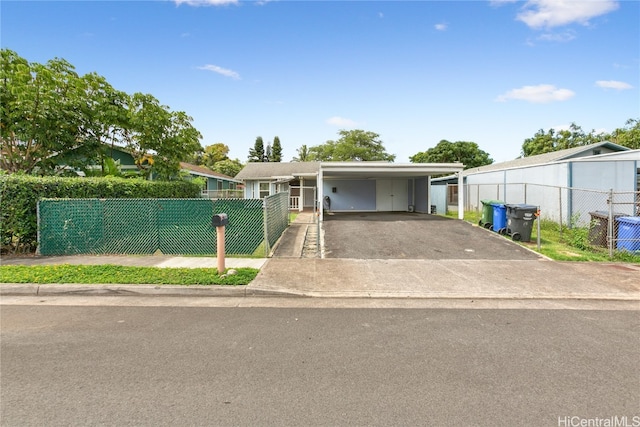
<point>220,186</point>
<point>452,194</point>
<point>264,189</point>
<point>596,152</point>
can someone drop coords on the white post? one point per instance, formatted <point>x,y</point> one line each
<point>320,200</point>
<point>428,194</point>
<point>460,196</point>
<point>301,198</point>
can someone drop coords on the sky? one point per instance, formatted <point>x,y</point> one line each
<point>414,72</point>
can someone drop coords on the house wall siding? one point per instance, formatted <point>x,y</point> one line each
<point>351,195</point>
<point>617,175</point>
<point>421,194</point>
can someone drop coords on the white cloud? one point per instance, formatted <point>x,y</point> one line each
<point>441,27</point>
<point>564,36</point>
<point>220,70</point>
<point>205,2</point>
<point>498,3</point>
<point>537,94</point>
<point>613,84</point>
<point>556,13</point>
<point>341,122</point>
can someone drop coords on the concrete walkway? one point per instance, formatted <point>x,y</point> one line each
<point>297,270</point>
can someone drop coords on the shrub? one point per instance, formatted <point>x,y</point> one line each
<point>19,195</point>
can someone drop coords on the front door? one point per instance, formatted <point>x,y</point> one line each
<point>391,195</point>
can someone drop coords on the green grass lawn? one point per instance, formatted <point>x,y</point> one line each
<point>566,244</point>
<point>115,274</point>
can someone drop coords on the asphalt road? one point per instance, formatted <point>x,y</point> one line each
<point>305,366</point>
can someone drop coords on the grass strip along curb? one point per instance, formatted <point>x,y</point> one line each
<point>116,274</point>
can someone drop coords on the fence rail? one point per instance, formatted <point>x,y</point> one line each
<point>148,226</point>
<point>605,213</point>
<point>222,194</point>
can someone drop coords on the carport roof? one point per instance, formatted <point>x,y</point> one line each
<point>360,170</point>
<point>367,170</point>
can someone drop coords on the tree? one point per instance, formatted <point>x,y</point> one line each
<point>54,121</point>
<point>554,140</point>
<point>215,153</point>
<point>256,154</point>
<point>465,152</point>
<point>43,117</point>
<point>267,153</point>
<point>354,145</point>
<point>629,136</point>
<point>228,167</point>
<point>276,151</point>
<point>159,134</point>
<point>303,154</point>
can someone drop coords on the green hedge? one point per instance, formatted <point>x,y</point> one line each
<point>19,195</point>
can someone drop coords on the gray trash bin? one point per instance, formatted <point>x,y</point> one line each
<point>520,221</point>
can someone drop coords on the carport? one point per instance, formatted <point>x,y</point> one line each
<point>381,186</point>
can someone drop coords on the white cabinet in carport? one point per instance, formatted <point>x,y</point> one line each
<point>391,195</point>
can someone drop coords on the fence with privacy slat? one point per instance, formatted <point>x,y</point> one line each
<point>167,226</point>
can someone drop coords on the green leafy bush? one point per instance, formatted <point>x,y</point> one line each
<point>19,195</point>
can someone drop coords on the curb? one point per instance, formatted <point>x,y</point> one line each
<point>27,289</point>
<point>31,289</point>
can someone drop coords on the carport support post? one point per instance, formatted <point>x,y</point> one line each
<point>460,196</point>
<point>320,187</point>
<point>428,194</point>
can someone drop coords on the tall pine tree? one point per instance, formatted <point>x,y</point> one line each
<point>256,154</point>
<point>276,151</point>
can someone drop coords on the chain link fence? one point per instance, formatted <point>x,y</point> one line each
<point>612,218</point>
<point>276,218</point>
<point>149,226</point>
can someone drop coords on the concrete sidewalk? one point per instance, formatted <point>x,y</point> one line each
<point>354,278</point>
<point>292,274</point>
<point>460,279</point>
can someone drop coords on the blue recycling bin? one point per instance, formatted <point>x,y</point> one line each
<point>499,218</point>
<point>628,233</point>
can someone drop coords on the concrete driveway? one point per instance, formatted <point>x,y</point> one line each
<point>404,235</point>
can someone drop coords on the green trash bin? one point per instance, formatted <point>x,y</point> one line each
<point>487,213</point>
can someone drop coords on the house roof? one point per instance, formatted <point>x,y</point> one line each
<point>361,170</point>
<point>271,170</point>
<point>547,157</point>
<point>204,171</point>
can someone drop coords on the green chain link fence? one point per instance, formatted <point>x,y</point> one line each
<point>146,226</point>
<point>276,218</point>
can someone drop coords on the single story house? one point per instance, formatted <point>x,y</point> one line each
<point>348,186</point>
<point>216,184</point>
<point>555,180</point>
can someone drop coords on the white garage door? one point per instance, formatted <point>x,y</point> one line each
<point>391,195</point>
